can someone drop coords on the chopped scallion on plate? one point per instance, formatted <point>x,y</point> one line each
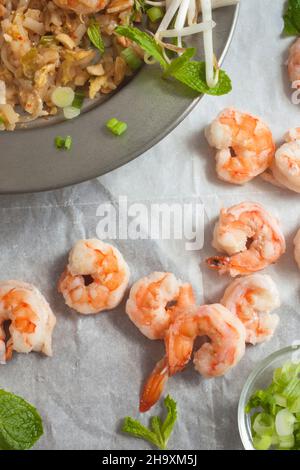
<point>131,58</point>
<point>155,14</point>
<point>116,127</point>
<point>63,143</point>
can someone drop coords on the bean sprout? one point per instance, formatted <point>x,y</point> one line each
<point>183,14</point>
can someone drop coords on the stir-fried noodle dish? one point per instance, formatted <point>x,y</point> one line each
<point>56,53</point>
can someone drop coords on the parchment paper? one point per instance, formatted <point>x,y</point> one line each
<point>100,362</point>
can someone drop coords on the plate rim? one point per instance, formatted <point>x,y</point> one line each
<point>131,156</point>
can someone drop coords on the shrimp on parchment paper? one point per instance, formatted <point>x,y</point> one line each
<point>252,298</point>
<point>31,320</point>
<point>95,278</point>
<point>250,236</point>
<point>150,302</point>
<point>285,169</point>
<point>244,143</point>
<point>227,337</point>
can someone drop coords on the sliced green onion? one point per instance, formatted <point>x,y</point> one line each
<point>63,96</point>
<point>155,14</point>
<point>78,99</point>
<point>131,58</point>
<point>116,127</point>
<point>70,112</point>
<point>68,142</point>
<point>295,407</point>
<point>59,142</point>
<point>284,423</point>
<point>63,142</point>
<point>263,424</point>
<point>286,442</point>
<point>2,122</point>
<point>280,400</point>
<point>262,442</point>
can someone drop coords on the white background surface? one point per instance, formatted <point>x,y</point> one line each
<point>99,363</point>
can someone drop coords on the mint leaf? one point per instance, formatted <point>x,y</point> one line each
<point>160,432</point>
<point>177,63</point>
<point>168,425</point>
<point>20,423</point>
<point>192,74</point>
<point>291,18</point>
<point>94,35</point>
<point>156,426</point>
<point>145,41</point>
<point>135,428</point>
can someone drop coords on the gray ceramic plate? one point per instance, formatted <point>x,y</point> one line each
<point>152,107</point>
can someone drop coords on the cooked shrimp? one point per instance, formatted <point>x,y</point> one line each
<point>149,303</point>
<point>297,248</point>
<point>245,146</point>
<point>31,320</point>
<point>250,236</point>
<point>153,388</point>
<point>285,169</point>
<point>95,278</point>
<point>82,7</point>
<point>294,62</point>
<point>252,298</point>
<point>227,337</point>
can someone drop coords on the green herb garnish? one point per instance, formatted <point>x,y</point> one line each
<point>78,99</point>
<point>63,143</point>
<point>131,58</point>
<point>291,18</point>
<point>20,423</point>
<point>155,14</point>
<point>145,41</point>
<point>116,127</point>
<point>275,419</point>
<point>95,37</point>
<point>191,73</point>
<point>159,432</point>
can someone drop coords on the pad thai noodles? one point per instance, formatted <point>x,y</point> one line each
<point>53,54</point>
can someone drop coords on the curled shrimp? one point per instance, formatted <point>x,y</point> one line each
<point>149,302</point>
<point>294,62</point>
<point>154,386</point>
<point>31,320</point>
<point>227,337</point>
<point>250,236</point>
<point>82,7</point>
<point>252,298</point>
<point>244,143</point>
<point>297,248</point>
<point>95,278</point>
<point>285,170</point>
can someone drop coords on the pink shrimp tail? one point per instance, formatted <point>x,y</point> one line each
<point>154,385</point>
<point>219,263</point>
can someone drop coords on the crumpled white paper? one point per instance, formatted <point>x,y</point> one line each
<point>100,362</point>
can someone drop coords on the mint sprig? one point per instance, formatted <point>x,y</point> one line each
<point>95,37</point>
<point>190,73</point>
<point>291,18</point>
<point>159,432</point>
<point>145,41</point>
<point>20,423</point>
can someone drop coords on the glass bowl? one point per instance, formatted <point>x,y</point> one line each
<point>260,378</point>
